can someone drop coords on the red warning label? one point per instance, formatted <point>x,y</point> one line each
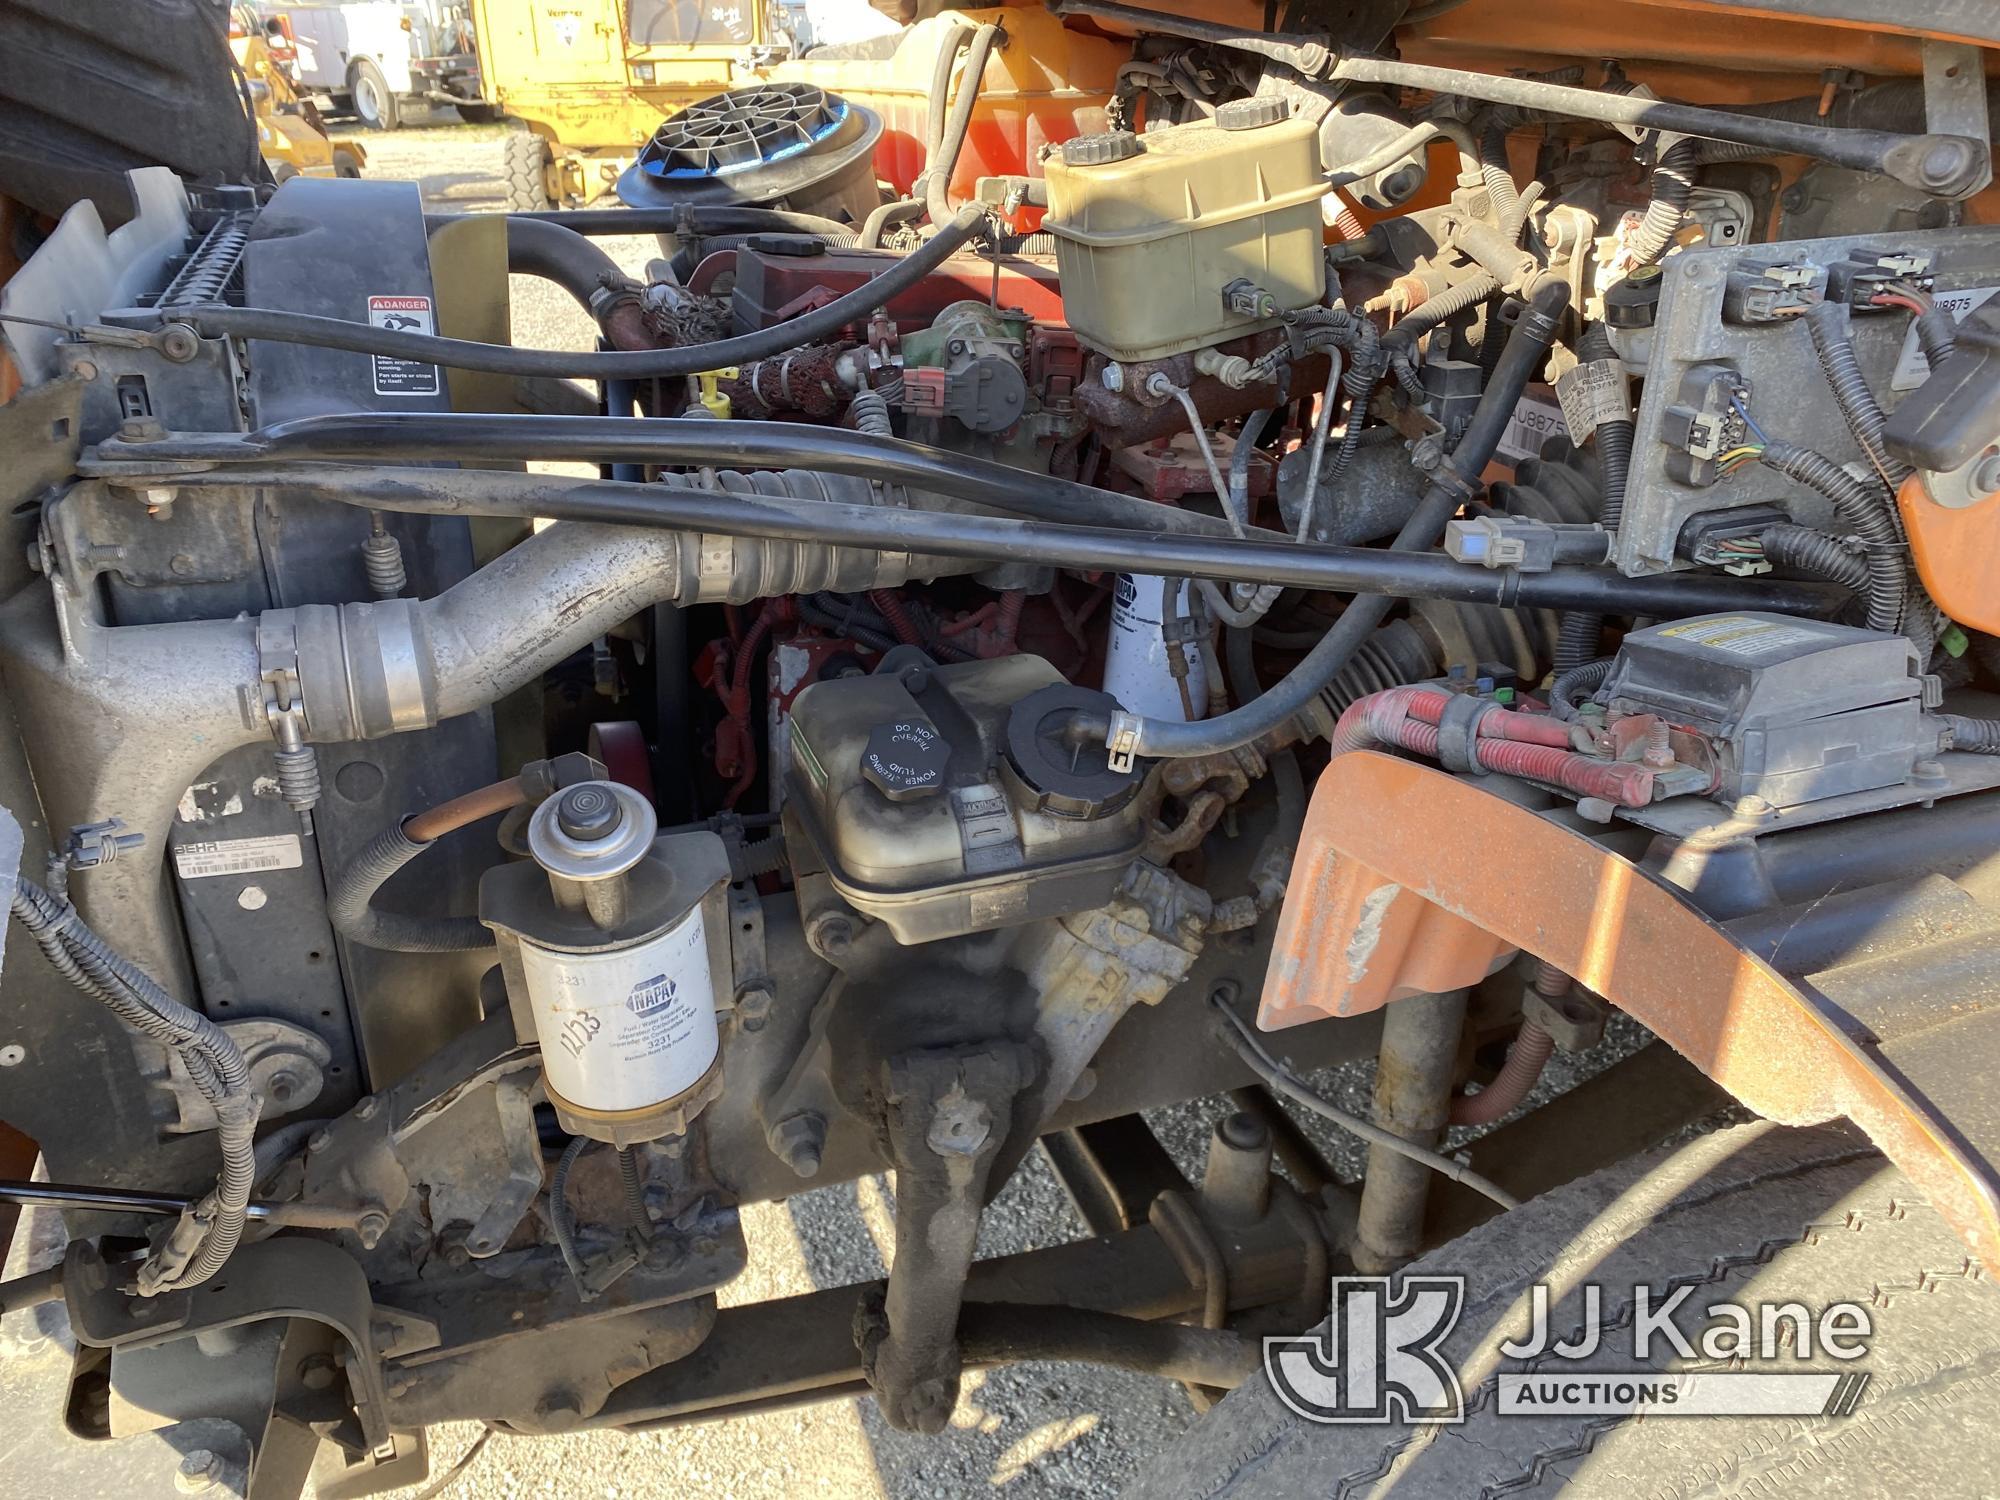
<point>403,377</point>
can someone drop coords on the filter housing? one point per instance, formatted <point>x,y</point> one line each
<point>625,1013</point>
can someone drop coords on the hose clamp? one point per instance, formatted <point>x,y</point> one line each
<point>1458,733</point>
<point>1121,743</point>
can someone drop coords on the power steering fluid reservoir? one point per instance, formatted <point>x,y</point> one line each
<point>612,944</point>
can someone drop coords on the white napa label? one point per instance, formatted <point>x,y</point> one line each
<point>1912,369</point>
<point>403,377</point>
<point>202,858</point>
<point>1136,663</point>
<point>1533,423</point>
<point>629,1029</point>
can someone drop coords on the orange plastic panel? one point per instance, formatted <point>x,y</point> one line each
<point>1350,941</point>
<point>1957,552</point>
<point>1547,889</point>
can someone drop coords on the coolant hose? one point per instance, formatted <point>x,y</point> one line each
<point>350,899</point>
<point>943,162</point>
<point>1457,480</point>
<point>1861,506</point>
<point>219,321</point>
<point>1673,185</point>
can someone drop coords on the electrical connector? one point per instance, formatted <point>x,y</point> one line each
<point>1771,294</point>
<point>1705,424</point>
<point>1863,274</point>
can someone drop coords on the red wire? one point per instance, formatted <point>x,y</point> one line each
<point>1896,299</point>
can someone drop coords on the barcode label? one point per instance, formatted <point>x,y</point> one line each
<point>206,857</point>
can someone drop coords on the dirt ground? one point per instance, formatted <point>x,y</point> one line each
<point>1029,1430</point>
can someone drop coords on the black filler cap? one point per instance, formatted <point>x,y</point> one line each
<point>1071,778</point>
<point>905,759</point>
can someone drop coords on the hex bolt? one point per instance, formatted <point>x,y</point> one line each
<point>831,935</point>
<point>1985,476</point>
<point>797,1141</point>
<point>366,1108</point>
<point>281,1087</point>
<point>753,1006</point>
<point>317,1372</point>
<point>369,1228</point>
<point>589,812</point>
<point>201,1469</point>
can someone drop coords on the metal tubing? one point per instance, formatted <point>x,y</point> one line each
<point>1413,1080</point>
<point>1943,165</point>
<point>427,437</point>
<point>1361,570</point>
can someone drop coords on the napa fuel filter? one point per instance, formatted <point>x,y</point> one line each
<point>612,959</point>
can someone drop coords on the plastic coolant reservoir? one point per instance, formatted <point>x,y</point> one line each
<point>1138,669</point>
<point>627,1029</point>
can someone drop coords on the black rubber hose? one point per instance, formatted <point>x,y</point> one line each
<point>1973,736</point>
<point>1826,323</point>
<point>1816,553</point>
<point>251,323</point>
<point>1584,679</point>
<point>1578,633</point>
<point>349,904</point>
<point>1860,505</point>
<point>1457,479</point>
<point>538,248</point>
<point>941,164</point>
<point>1673,185</point>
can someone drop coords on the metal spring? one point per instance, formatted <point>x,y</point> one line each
<point>209,269</point>
<point>382,555</point>
<point>298,777</point>
<point>870,413</point>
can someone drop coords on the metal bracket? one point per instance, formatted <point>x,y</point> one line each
<point>1955,100</point>
<point>279,1278</point>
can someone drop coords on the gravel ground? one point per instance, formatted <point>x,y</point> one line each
<point>1033,1430</point>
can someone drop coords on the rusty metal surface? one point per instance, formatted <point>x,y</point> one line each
<point>1540,886</point>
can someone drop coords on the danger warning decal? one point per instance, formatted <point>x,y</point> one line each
<point>403,377</point>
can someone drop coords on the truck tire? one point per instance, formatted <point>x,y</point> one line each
<point>375,103</point>
<point>527,162</point>
<point>1753,1215</point>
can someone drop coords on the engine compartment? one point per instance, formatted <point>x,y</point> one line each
<point>898,753</point>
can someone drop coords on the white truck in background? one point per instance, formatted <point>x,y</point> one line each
<point>379,57</point>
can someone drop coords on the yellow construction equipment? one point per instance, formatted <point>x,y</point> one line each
<point>592,79</point>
